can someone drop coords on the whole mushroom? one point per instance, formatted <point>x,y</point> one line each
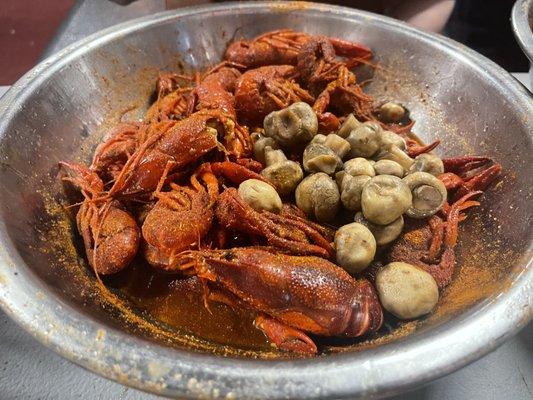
<point>365,140</point>
<point>428,192</point>
<point>355,247</point>
<point>282,173</point>
<point>351,191</point>
<point>388,167</point>
<point>260,195</point>
<point>392,112</point>
<point>292,126</point>
<point>406,291</point>
<point>260,143</point>
<point>318,196</point>
<point>320,158</point>
<point>427,162</point>
<point>384,234</point>
<point>359,166</point>
<point>385,198</point>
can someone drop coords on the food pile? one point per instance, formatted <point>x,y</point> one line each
<point>285,189</point>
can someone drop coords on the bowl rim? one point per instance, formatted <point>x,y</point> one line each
<point>520,25</point>
<point>158,369</point>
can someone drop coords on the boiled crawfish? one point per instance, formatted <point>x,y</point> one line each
<point>283,46</point>
<point>110,233</point>
<point>294,293</point>
<point>263,90</point>
<point>179,220</point>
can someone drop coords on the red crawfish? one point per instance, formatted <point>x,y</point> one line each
<point>110,233</point>
<point>295,294</point>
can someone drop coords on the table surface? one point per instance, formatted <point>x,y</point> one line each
<point>30,371</point>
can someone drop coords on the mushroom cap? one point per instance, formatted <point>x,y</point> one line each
<point>359,166</point>
<point>284,175</point>
<point>391,112</point>
<point>320,158</point>
<point>351,191</point>
<point>260,143</point>
<point>428,192</point>
<point>355,247</point>
<point>388,167</point>
<point>318,196</point>
<point>389,137</point>
<point>384,199</point>
<point>384,234</point>
<point>365,140</point>
<point>406,290</point>
<point>260,195</point>
<point>427,162</point>
<point>291,126</point>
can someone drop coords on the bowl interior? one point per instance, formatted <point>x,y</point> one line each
<point>70,107</point>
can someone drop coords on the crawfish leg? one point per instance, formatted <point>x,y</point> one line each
<point>285,337</point>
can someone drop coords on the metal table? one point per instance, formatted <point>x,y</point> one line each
<point>30,371</point>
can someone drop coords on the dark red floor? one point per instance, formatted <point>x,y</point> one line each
<point>26,27</point>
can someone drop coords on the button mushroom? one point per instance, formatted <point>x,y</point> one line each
<point>320,158</point>
<point>294,125</point>
<point>340,146</point>
<point>384,234</point>
<point>406,291</point>
<point>355,247</point>
<point>351,191</point>
<point>391,112</point>
<point>427,162</point>
<point>260,195</point>
<point>282,173</point>
<point>394,153</point>
<point>348,126</point>
<point>359,166</point>
<point>260,142</point>
<point>385,198</point>
<point>318,196</point>
<point>319,138</point>
<point>365,140</point>
<point>428,192</point>
<point>388,167</point>
<point>389,137</point>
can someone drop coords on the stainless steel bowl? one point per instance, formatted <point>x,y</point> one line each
<point>60,108</point>
<point>522,23</point>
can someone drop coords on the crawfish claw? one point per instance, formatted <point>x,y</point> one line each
<point>285,337</point>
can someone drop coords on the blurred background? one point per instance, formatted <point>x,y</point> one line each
<point>31,29</point>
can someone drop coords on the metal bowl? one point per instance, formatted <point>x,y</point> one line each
<point>60,108</point>
<point>522,23</point>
